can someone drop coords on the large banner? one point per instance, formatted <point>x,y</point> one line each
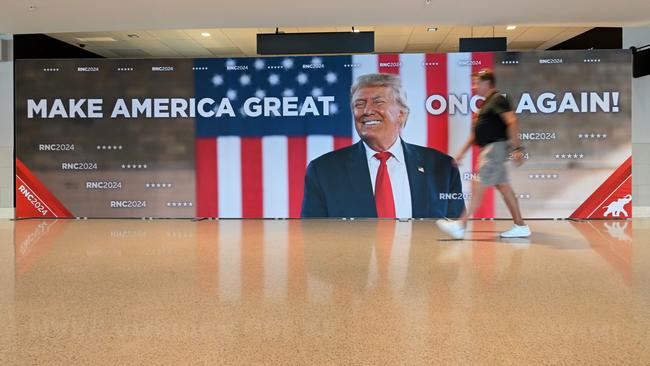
<point>232,138</point>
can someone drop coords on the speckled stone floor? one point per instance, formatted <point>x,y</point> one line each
<point>174,292</point>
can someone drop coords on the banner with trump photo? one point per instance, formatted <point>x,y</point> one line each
<point>234,137</point>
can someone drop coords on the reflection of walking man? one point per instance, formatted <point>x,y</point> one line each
<point>495,130</point>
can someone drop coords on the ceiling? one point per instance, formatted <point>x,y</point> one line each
<point>242,41</point>
<point>48,16</point>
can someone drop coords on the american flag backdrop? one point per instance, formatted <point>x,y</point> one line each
<point>254,167</point>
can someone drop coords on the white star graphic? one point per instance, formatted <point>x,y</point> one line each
<point>334,108</point>
<point>259,64</point>
<point>260,93</point>
<point>316,92</point>
<point>288,93</point>
<point>217,80</point>
<point>231,94</point>
<point>274,79</point>
<point>302,78</point>
<point>331,77</point>
<point>230,62</point>
<point>287,63</point>
<point>245,79</point>
<point>316,61</point>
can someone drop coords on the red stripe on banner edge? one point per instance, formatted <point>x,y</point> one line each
<point>57,209</point>
<point>615,180</point>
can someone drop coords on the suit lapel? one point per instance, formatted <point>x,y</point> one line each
<point>417,181</point>
<point>359,173</point>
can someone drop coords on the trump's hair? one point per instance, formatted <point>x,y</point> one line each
<point>391,81</point>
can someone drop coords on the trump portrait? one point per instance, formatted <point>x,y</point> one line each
<point>382,175</point>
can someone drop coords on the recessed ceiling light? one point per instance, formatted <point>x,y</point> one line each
<point>432,29</point>
<point>96,39</point>
<point>511,27</point>
<point>205,34</point>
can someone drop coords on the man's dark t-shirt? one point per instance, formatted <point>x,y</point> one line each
<point>489,125</point>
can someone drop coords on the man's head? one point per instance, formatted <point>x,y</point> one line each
<point>484,82</point>
<point>379,107</point>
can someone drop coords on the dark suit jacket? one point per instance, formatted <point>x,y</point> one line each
<point>338,184</point>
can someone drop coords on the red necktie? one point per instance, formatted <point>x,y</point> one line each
<point>383,190</point>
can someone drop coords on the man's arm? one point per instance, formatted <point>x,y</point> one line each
<point>468,144</point>
<point>313,202</point>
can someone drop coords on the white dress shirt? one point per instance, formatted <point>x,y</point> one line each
<point>399,179</point>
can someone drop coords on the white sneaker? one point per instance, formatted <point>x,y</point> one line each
<point>452,228</point>
<point>517,232</point>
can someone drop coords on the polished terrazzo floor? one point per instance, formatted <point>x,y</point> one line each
<point>174,292</point>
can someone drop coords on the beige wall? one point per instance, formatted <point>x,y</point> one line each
<point>6,129</point>
<point>639,36</point>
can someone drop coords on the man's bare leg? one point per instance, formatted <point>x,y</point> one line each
<point>475,202</point>
<point>511,201</point>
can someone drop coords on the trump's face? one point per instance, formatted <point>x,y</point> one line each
<point>377,115</point>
